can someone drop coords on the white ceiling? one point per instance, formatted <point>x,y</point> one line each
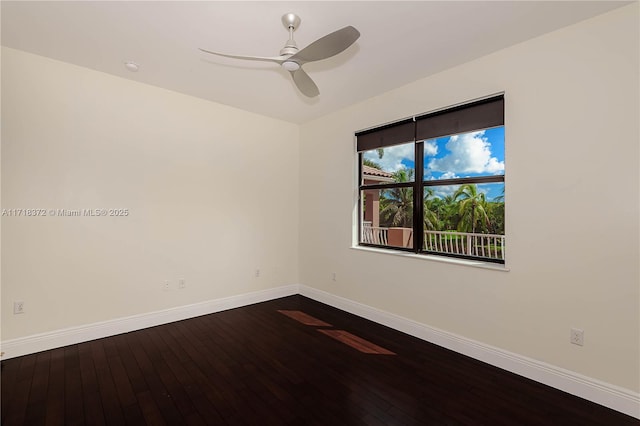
<point>400,42</point>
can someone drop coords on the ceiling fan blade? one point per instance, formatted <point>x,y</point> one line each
<point>276,59</point>
<point>304,83</point>
<point>327,46</point>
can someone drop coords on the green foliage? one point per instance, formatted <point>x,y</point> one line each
<point>495,212</point>
<point>396,205</point>
<point>431,217</point>
<point>370,163</point>
<point>472,208</point>
<point>467,210</point>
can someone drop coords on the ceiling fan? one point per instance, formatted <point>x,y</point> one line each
<point>292,59</point>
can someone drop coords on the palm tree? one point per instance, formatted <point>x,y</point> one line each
<point>397,203</point>
<point>495,211</point>
<point>445,209</point>
<point>431,221</point>
<point>472,207</point>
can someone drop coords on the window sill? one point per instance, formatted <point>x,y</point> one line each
<point>443,259</point>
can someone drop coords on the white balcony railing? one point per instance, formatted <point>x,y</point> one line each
<point>465,243</point>
<point>481,245</point>
<point>374,234</point>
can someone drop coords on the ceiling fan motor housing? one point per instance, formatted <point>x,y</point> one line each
<point>289,49</point>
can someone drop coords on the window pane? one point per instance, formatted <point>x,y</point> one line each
<point>390,164</point>
<point>465,220</point>
<point>387,217</point>
<point>478,153</point>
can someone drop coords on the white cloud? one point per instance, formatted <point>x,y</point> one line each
<point>444,191</point>
<point>470,153</point>
<point>391,161</point>
<point>430,148</point>
<point>448,175</point>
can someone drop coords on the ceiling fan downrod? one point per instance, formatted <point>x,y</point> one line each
<point>291,21</point>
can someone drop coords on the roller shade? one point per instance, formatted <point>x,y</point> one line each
<point>392,134</point>
<point>465,118</point>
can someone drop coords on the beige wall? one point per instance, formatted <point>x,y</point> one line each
<point>209,189</point>
<point>572,204</point>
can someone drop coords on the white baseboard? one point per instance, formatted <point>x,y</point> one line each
<point>70,336</point>
<point>614,397</point>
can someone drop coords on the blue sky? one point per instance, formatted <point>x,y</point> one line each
<point>468,154</point>
<point>479,153</point>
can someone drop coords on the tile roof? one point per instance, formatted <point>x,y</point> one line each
<point>368,170</point>
<point>372,173</point>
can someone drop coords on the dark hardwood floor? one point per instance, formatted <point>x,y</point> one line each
<point>258,366</point>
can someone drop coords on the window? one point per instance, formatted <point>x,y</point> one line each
<point>434,184</point>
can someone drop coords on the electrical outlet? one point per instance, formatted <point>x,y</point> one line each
<point>257,273</point>
<point>166,286</point>
<point>182,283</point>
<point>577,337</point>
<point>333,276</point>
<point>18,307</point>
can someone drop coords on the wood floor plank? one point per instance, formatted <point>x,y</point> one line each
<point>17,414</point>
<point>356,342</point>
<point>150,410</point>
<point>204,374</point>
<point>55,402</point>
<point>304,318</point>
<point>133,415</point>
<point>73,407</point>
<point>36,407</point>
<point>130,365</point>
<point>121,381</point>
<point>92,403</point>
<point>256,366</point>
<point>10,370</point>
<point>144,352</point>
<point>108,393</point>
<point>20,386</point>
